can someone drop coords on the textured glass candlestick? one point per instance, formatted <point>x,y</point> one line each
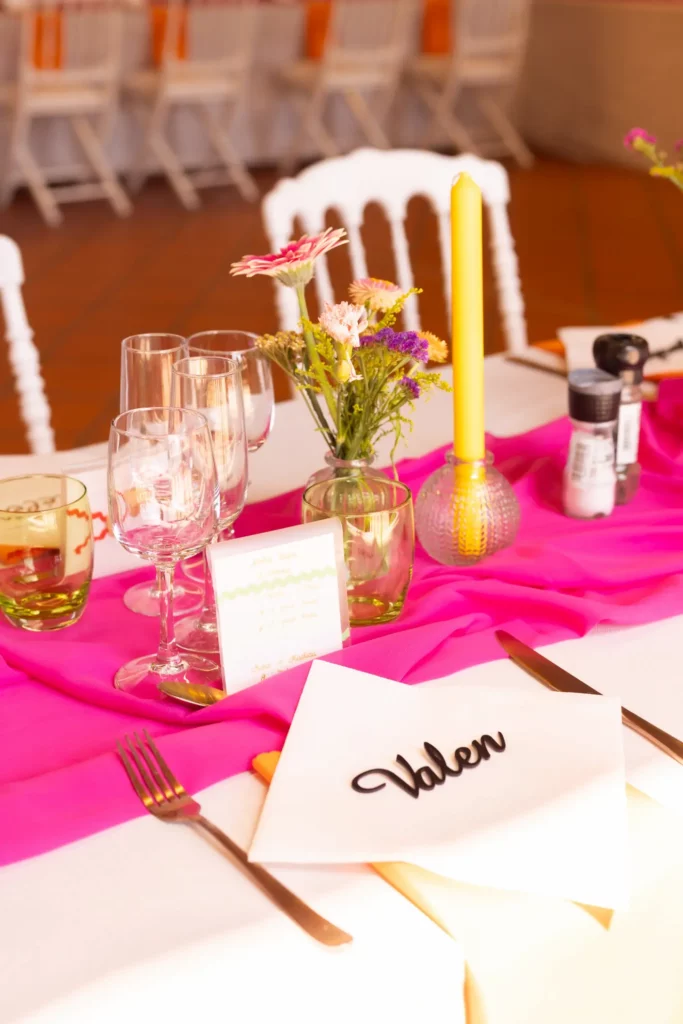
<point>465,511</point>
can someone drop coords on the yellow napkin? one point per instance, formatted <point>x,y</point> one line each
<point>409,879</point>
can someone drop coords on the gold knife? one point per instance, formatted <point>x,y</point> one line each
<point>556,678</point>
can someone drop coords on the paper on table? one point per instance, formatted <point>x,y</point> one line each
<point>660,333</point>
<point>280,600</point>
<point>547,815</point>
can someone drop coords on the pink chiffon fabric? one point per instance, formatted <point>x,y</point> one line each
<point>60,715</point>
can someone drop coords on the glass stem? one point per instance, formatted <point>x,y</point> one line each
<point>207,620</point>
<point>167,654</point>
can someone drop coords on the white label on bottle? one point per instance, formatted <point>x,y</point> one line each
<point>628,433</point>
<point>591,461</point>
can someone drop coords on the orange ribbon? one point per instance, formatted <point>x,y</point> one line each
<point>435,27</point>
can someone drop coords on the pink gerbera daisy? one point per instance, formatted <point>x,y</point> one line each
<point>292,265</point>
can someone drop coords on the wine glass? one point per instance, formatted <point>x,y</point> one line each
<point>212,385</point>
<point>257,389</point>
<point>146,361</point>
<point>257,379</point>
<point>163,506</point>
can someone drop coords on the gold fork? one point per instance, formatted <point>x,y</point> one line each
<point>166,798</point>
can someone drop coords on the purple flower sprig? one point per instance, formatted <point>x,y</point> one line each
<point>411,385</point>
<point>407,343</point>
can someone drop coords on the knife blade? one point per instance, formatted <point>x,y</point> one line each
<point>556,678</point>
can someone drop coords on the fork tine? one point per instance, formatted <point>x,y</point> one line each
<point>161,783</point>
<point>155,793</point>
<point>130,771</point>
<point>173,782</point>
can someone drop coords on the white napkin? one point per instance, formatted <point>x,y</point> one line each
<point>545,815</point>
<point>660,333</point>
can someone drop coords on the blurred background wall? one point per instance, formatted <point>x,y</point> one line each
<point>596,69</point>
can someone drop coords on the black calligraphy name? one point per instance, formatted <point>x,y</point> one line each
<point>426,777</point>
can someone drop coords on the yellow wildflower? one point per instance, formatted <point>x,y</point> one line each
<point>438,349</point>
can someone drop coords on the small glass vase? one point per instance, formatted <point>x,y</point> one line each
<point>337,469</point>
<point>466,511</point>
<point>376,514</point>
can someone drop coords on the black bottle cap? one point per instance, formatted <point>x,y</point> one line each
<point>621,353</point>
<point>594,396</point>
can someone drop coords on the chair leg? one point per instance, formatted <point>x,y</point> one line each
<point>220,139</point>
<point>502,124</point>
<point>440,107</point>
<point>289,160</point>
<point>92,148</point>
<point>8,184</point>
<point>312,114</point>
<point>137,175</point>
<point>155,142</point>
<point>42,196</point>
<point>370,126</point>
<point>173,169</point>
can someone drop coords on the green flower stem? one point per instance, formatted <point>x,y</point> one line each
<point>313,357</point>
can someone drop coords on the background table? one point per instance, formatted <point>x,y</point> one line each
<point>142,923</point>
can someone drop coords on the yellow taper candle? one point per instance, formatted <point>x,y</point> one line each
<point>467,334</point>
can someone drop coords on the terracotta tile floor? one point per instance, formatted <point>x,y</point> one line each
<point>596,245</point>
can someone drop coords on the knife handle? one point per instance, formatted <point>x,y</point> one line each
<point>664,740</point>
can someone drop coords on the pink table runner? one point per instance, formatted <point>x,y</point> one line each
<point>60,715</point>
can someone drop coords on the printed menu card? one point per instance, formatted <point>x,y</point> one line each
<point>280,600</point>
<point>485,785</point>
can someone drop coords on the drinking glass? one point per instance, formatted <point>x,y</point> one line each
<point>146,361</point>
<point>212,385</point>
<point>46,551</point>
<point>257,390</point>
<point>376,516</point>
<point>163,506</point>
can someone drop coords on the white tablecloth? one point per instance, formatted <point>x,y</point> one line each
<point>143,924</point>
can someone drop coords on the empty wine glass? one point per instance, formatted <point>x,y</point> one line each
<point>163,506</point>
<point>257,379</point>
<point>212,385</point>
<point>257,390</point>
<point>146,361</point>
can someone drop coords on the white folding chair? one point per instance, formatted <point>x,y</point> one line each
<point>391,178</point>
<point>489,41</point>
<point>23,354</point>
<point>365,54</point>
<point>84,91</point>
<point>212,80</point>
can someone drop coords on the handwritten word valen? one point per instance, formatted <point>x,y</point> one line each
<point>427,777</point>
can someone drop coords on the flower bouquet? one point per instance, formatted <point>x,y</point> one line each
<point>359,377</point>
<point>356,373</point>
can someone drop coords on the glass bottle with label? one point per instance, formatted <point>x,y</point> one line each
<point>590,476</point>
<point>625,355</point>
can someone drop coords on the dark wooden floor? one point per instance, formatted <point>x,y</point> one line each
<point>596,245</point>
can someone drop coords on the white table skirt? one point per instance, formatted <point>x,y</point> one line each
<point>140,923</point>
